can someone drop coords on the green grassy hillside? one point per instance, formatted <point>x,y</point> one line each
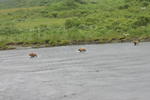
<point>5,4</point>
<point>75,21</point>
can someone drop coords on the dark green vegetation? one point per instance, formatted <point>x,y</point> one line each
<point>63,22</point>
<point>5,4</point>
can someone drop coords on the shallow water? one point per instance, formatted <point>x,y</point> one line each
<point>117,71</point>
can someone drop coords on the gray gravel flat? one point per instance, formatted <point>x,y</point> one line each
<point>117,71</point>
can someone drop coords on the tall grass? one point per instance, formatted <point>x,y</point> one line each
<point>100,21</point>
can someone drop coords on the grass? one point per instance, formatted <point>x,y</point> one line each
<point>91,22</point>
<point>31,23</point>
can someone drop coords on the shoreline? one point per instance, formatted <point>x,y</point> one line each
<point>21,46</point>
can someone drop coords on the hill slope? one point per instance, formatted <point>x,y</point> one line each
<point>76,21</point>
<point>24,3</point>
